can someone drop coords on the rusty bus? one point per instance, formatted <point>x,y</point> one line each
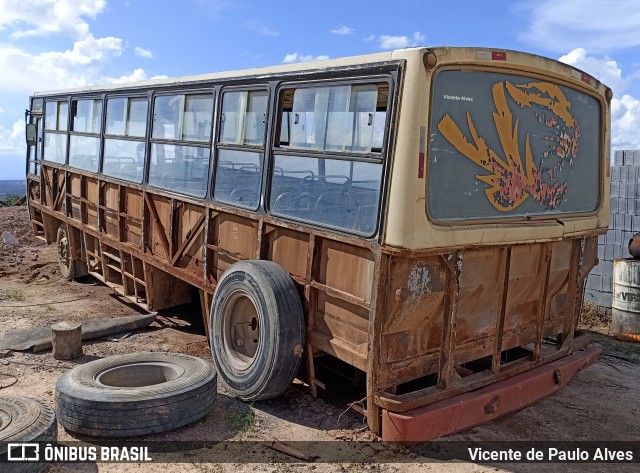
<point>419,221</point>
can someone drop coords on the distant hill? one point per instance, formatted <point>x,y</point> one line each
<point>17,187</point>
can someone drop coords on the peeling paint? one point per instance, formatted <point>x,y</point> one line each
<point>419,280</point>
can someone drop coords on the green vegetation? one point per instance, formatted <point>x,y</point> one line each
<point>12,296</point>
<point>240,421</point>
<point>11,199</point>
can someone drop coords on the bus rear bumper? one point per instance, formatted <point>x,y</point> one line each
<point>485,404</point>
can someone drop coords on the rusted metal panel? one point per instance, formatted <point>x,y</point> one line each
<point>341,319</point>
<point>133,208</point>
<point>111,199</point>
<point>231,238</point>
<point>412,321</point>
<point>91,196</point>
<point>289,249</point>
<point>158,236</point>
<point>481,406</point>
<point>343,267</point>
<point>189,237</point>
<point>480,295</point>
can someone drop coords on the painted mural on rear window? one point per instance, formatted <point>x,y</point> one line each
<point>505,146</point>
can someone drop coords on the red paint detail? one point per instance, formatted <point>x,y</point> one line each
<point>485,404</point>
<point>499,55</point>
<point>421,166</point>
<point>585,78</point>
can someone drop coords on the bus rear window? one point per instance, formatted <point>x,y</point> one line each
<point>508,146</point>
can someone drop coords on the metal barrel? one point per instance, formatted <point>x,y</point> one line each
<point>625,317</point>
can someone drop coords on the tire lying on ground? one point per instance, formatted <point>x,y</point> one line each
<point>135,394</point>
<point>256,328</point>
<point>23,419</point>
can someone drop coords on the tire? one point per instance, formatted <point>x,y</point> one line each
<point>23,419</point>
<point>135,394</point>
<point>69,269</point>
<point>256,328</point>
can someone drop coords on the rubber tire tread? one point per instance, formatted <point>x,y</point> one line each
<point>88,407</point>
<point>41,426</point>
<point>285,362</point>
<point>104,418</point>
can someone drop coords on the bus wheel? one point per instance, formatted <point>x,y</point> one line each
<point>256,330</point>
<point>70,269</point>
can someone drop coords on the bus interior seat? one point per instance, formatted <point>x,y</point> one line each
<point>127,171</point>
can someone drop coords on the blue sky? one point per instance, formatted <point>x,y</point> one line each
<point>47,44</point>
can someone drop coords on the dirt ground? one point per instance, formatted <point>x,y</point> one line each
<point>600,403</point>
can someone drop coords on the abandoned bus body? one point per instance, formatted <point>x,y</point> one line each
<point>420,220</point>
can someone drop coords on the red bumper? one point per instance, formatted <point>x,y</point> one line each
<point>485,404</point>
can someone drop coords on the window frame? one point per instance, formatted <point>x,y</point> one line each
<point>125,137</point>
<point>34,152</point>
<point>207,145</point>
<point>71,132</point>
<point>369,156</point>
<point>382,158</point>
<point>56,131</point>
<point>260,149</point>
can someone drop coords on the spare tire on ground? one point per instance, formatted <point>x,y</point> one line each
<point>23,419</point>
<point>256,328</point>
<point>135,394</point>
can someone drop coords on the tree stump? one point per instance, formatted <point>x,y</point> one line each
<point>66,339</point>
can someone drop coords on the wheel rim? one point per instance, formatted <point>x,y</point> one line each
<point>63,251</point>
<point>5,419</point>
<point>240,330</point>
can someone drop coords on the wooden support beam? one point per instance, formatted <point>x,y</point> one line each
<point>191,237</point>
<point>159,227</point>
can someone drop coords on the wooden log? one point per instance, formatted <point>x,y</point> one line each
<point>66,338</point>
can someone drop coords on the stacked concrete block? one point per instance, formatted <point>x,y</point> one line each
<point>624,223</point>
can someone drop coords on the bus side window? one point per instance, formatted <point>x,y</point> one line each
<point>55,134</point>
<point>336,193</point>
<point>84,148</point>
<point>342,118</point>
<point>125,131</point>
<point>243,124</point>
<point>181,138</point>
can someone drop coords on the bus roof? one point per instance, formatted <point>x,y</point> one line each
<point>474,53</point>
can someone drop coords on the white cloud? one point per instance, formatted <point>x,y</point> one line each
<point>45,17</point>
<point>12,140</point>
<point>625,109</point>
<point>1,110</point>
<point>261,28</point>
<point>295,57</point>
<point>605,70</point>
<point>135,76</point>
<point>399,42</point>
<point>145,53</point>
<point>625,123</point>
<point>595,25</point>
<point>343,30</point>
<point>370,37</point>
<point>82,65</point>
